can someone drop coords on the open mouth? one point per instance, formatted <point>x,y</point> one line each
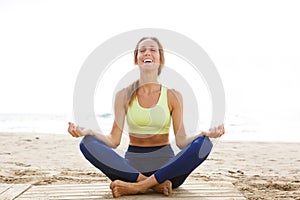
<point>148,60</point>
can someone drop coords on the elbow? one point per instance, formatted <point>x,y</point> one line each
<point>179,144</point>
<point>115,145</point>
<point>112,141</point>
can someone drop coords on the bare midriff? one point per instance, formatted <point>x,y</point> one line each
<point>148,140</point>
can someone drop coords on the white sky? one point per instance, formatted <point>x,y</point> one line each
<point>254,44</point>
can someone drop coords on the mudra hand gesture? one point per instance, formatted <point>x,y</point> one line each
<point>216,131</point>
<point>77,131</point>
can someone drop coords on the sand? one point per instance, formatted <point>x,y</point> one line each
<point>259,170</point>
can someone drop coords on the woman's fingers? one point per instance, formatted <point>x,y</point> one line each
<point>217,131</point>
<point>222,129</point>
<point>73,133</point>
<point>72,130</point>
<point>76,131</point>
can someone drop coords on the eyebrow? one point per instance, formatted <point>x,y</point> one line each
<point>148,46</point>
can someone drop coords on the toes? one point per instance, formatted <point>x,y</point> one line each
<point>168,188</point>
<point>115,193</point>
<point>111,186</point>
<point>166,191</point>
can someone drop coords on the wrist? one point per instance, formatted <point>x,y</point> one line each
<point>203,133</point>
<point>91,132</point>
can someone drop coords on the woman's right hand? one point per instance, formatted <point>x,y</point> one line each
<point>216,131</point>
<point>77,131</point>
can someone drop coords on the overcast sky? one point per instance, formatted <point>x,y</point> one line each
<point>254,45</point>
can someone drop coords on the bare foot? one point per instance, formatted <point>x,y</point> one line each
<point>164,188</point>
<point>121,188</point>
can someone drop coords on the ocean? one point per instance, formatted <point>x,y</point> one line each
<point>238,127</point>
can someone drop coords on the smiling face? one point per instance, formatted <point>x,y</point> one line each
<point>149,54</point>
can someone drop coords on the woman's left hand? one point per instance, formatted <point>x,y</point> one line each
<point>77,131</point>
<point>216,131</point>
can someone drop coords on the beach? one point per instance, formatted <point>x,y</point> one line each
<point>259,170</point>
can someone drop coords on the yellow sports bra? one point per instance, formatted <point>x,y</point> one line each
<point>154,120</point>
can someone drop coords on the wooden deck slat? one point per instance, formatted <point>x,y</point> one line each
<point>214,189</point>
<point>4,187</point>
<point>189,190</point>
<point>135,198</point>
<point>33,191</point>
<point>11,191</point>
<point>189,193</point>
<point>106,185</point>
<point>107,188</point>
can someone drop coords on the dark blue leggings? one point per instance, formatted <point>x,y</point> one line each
<point>115,167</point>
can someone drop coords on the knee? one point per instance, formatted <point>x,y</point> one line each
<point>87,139</point>
<point>86,142</point>
<point>206,148</point>
<point>202,146</point>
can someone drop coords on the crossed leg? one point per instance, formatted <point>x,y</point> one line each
<point>184,163</point>
<point>121,188</point>
<point>127,180</point>
<point>103,157</point>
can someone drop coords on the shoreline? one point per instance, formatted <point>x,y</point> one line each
<point>259,170</point>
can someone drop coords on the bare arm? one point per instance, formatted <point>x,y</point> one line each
<point>114,138</point>
<point>176,108</point>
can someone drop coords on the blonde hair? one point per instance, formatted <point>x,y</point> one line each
<point>132,88</point>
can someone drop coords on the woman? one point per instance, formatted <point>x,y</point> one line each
<point>148,107</point>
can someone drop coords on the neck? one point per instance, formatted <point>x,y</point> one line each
<point>149,88</point>
<point>148,79</point>
<point>148,83</point>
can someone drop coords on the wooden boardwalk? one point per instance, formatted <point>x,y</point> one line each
<point>189,190</point>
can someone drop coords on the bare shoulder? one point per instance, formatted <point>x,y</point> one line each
<point>121,96</point>
<point>122,93</point>
<point>174,99</point>
<point>174,95</point>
